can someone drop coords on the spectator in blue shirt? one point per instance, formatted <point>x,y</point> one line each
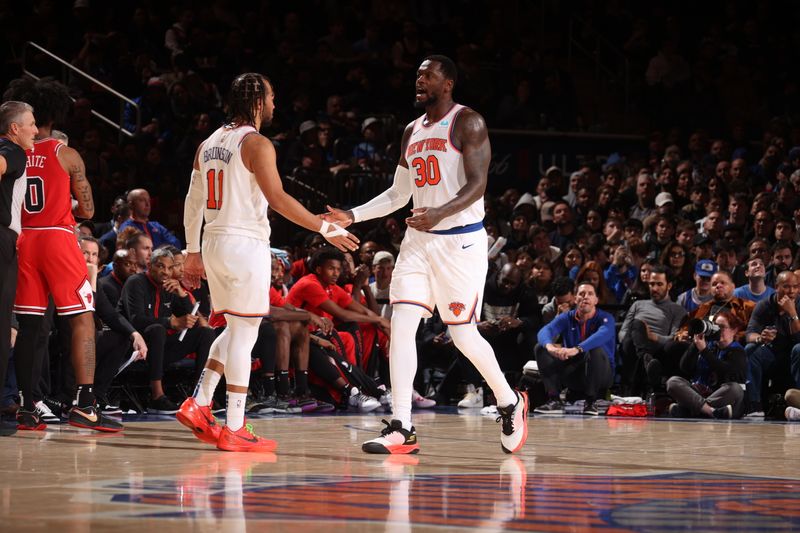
<point>139,203</point>
<point>584,360</point>
<point>756,288</point>
<point>621,274</point>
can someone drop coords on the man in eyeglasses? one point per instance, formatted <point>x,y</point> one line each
<point>648,325</point>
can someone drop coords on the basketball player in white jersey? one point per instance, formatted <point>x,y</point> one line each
<point>235,178</point>
<point>443,261</point>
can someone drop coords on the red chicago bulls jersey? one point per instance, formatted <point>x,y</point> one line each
<point>48,199</point>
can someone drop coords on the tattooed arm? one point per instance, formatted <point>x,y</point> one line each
<point>72,162</point>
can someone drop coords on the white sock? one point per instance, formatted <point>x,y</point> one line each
<point>234,417</point>
<point>480,353</point>
<point>206,385</point>
<point>403,360</point>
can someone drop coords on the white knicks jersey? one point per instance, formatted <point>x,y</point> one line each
<point>234,203</point>
<point>437,169</point>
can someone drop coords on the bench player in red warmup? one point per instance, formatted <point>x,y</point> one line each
<point>235,176</point>
<point>444,165</point>
<point>50,260</point>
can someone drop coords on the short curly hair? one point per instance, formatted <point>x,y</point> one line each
<point>49,98</point>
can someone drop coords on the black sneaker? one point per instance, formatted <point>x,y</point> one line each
<point>590,409</point>
<point>553,407</point>
<point>723,413</point>
<point>90,418</point>
<point>257,404</point>
<point>107,407</point>
<point>58,407</point>
<point>677,411</point>
<point>393,440</point>
<point>162,406</point>
<point>653,369</point>
<point>29,421</point>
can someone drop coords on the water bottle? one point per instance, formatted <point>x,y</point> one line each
<point>651,404</point>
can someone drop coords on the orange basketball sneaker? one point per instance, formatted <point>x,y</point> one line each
<point>244,440</point>
<point>200,420</point>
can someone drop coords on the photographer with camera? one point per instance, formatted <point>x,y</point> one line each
<point>773,333</point>
<point>722,288</point>
<point>718,366</point>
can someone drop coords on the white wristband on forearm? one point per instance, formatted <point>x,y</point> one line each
<point>329,229</point>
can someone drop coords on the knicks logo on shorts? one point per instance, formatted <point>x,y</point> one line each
<point>456,308</point>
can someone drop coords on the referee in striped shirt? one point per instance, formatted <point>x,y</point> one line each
<point>17,132</point>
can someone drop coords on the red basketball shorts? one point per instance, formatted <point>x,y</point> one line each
<point>51,264</point>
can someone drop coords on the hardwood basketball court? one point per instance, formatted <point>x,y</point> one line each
<point>574,474</point>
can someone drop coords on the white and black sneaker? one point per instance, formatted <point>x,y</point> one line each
<point>361,402</point>
<point>107,407</point>
<point>45,414</point>
<point>394,439</point>
<point>514,420</point>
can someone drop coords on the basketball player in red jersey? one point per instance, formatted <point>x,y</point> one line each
<point>50,260</point>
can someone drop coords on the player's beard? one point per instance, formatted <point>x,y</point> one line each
<point>430,101</point>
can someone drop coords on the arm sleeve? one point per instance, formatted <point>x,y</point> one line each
<point>193,212</point>
<point>388,201</point>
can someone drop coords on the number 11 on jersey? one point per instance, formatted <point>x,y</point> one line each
<point>214,189</point>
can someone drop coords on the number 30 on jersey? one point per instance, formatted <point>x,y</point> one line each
<point>427,171</point>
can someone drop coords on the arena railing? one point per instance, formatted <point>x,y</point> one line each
<point>67,69</point>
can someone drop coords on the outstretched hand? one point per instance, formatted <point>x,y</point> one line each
<point>346,242</point>
<point>337,216</point>
<point>193,270</point>
<point>424,218</point>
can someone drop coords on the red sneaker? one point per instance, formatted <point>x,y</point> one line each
<point>200,420</point>
<point>244,440</point>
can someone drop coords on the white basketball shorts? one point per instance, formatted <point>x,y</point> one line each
<point>446,271</point>
<point>238,271</point>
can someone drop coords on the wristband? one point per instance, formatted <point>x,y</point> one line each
<point>329,229</point>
